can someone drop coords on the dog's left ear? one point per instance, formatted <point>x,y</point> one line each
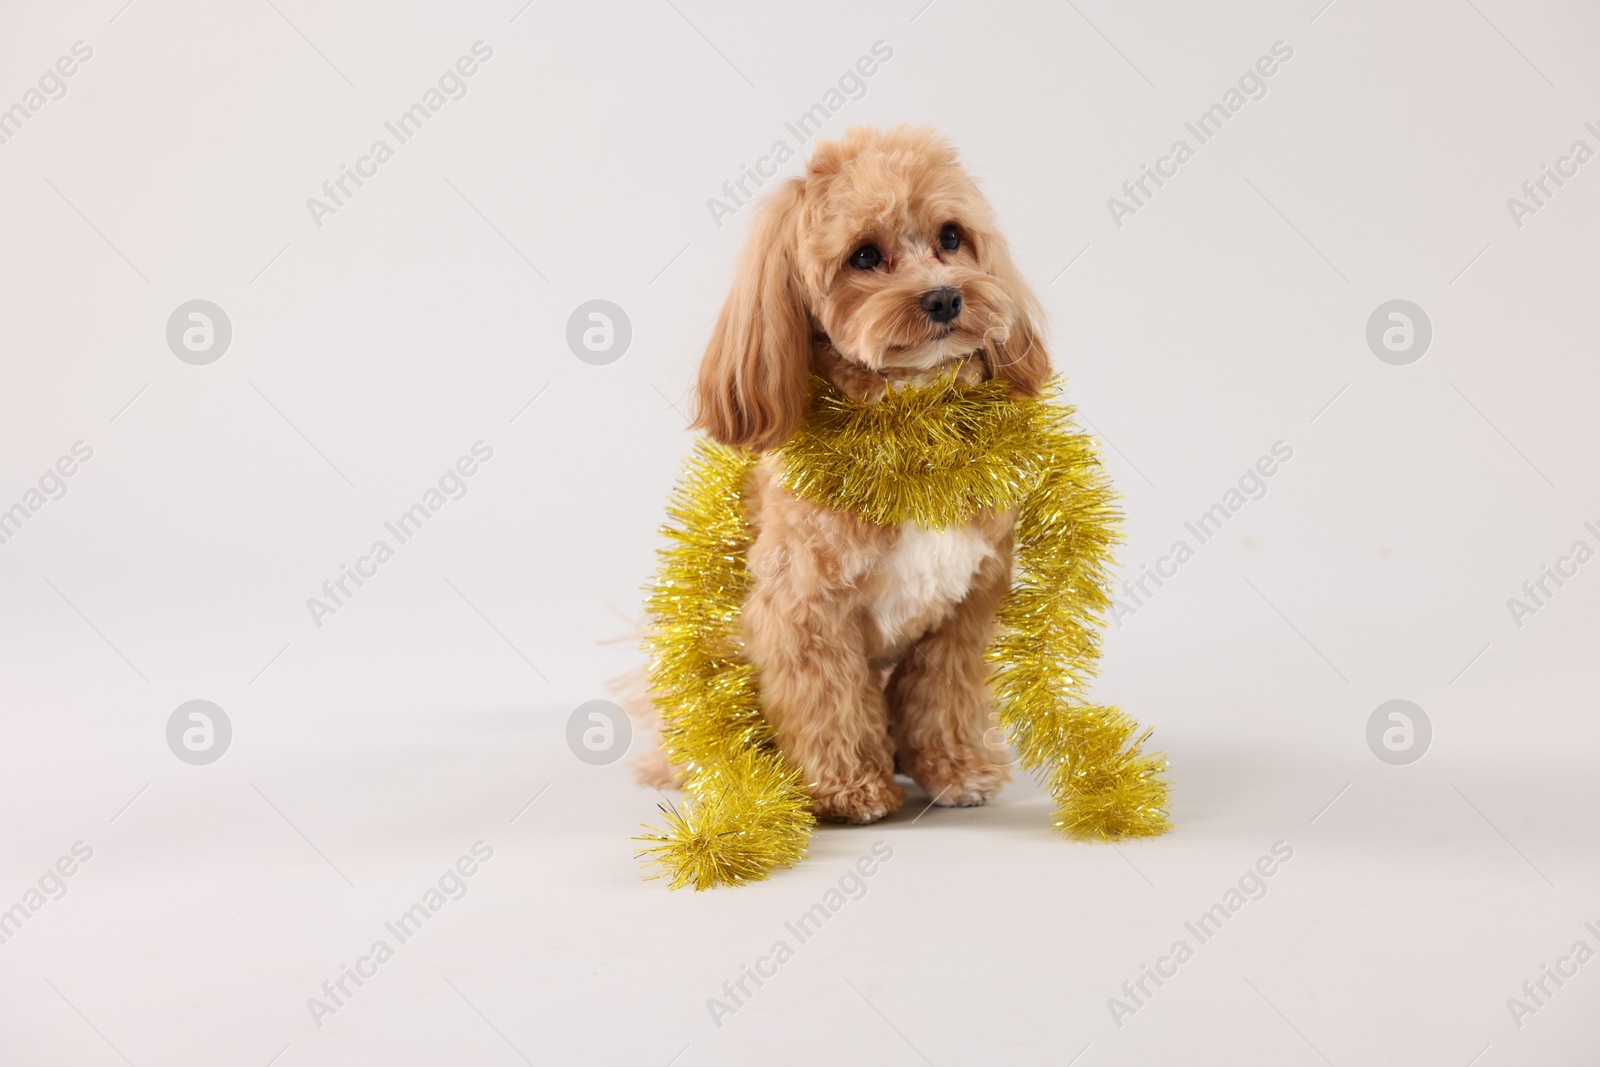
<point>1021,358</point>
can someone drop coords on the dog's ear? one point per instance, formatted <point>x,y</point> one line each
<point>1021,358</point>
<point>753,379</point>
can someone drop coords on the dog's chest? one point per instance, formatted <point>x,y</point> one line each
<point>925,573</point>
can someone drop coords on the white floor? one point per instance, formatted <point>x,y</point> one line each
<point>215,905</point>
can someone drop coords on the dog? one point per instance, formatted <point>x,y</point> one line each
<point>881,266</point>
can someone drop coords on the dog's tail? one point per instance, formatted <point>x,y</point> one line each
<point>631,691</point>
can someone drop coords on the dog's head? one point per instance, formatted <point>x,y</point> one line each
<point>885,249</point>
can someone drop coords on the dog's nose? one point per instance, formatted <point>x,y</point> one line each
<point>942,304</point>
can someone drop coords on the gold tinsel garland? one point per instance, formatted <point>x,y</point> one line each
<point>934,456</point>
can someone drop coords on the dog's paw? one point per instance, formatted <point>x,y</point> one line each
<point>652,769</point>
<point>960,782</point>
<point>859,802</point>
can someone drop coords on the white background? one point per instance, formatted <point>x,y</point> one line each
<point>369,353</point>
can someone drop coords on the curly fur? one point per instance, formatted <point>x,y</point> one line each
<point>868,639</point>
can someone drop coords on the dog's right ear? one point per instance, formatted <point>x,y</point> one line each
<point>753,379</point>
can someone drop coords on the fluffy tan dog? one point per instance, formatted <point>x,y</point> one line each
<point>881,266</point>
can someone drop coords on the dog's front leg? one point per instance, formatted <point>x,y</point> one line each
<point>939,703</point>
<point>804,631</point>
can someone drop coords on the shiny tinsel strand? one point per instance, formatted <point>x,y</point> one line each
<point>931,456</point>
<point>749,815</point>
<point>747,812</point>
<point>1089,756</point>
<point>934,456</point>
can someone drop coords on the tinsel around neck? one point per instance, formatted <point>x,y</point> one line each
<point>933,455</point>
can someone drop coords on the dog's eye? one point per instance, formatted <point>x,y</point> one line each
<point>866,257</point>
<point>949,238</point>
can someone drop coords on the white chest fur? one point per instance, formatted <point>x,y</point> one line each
<point>925,573</point>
